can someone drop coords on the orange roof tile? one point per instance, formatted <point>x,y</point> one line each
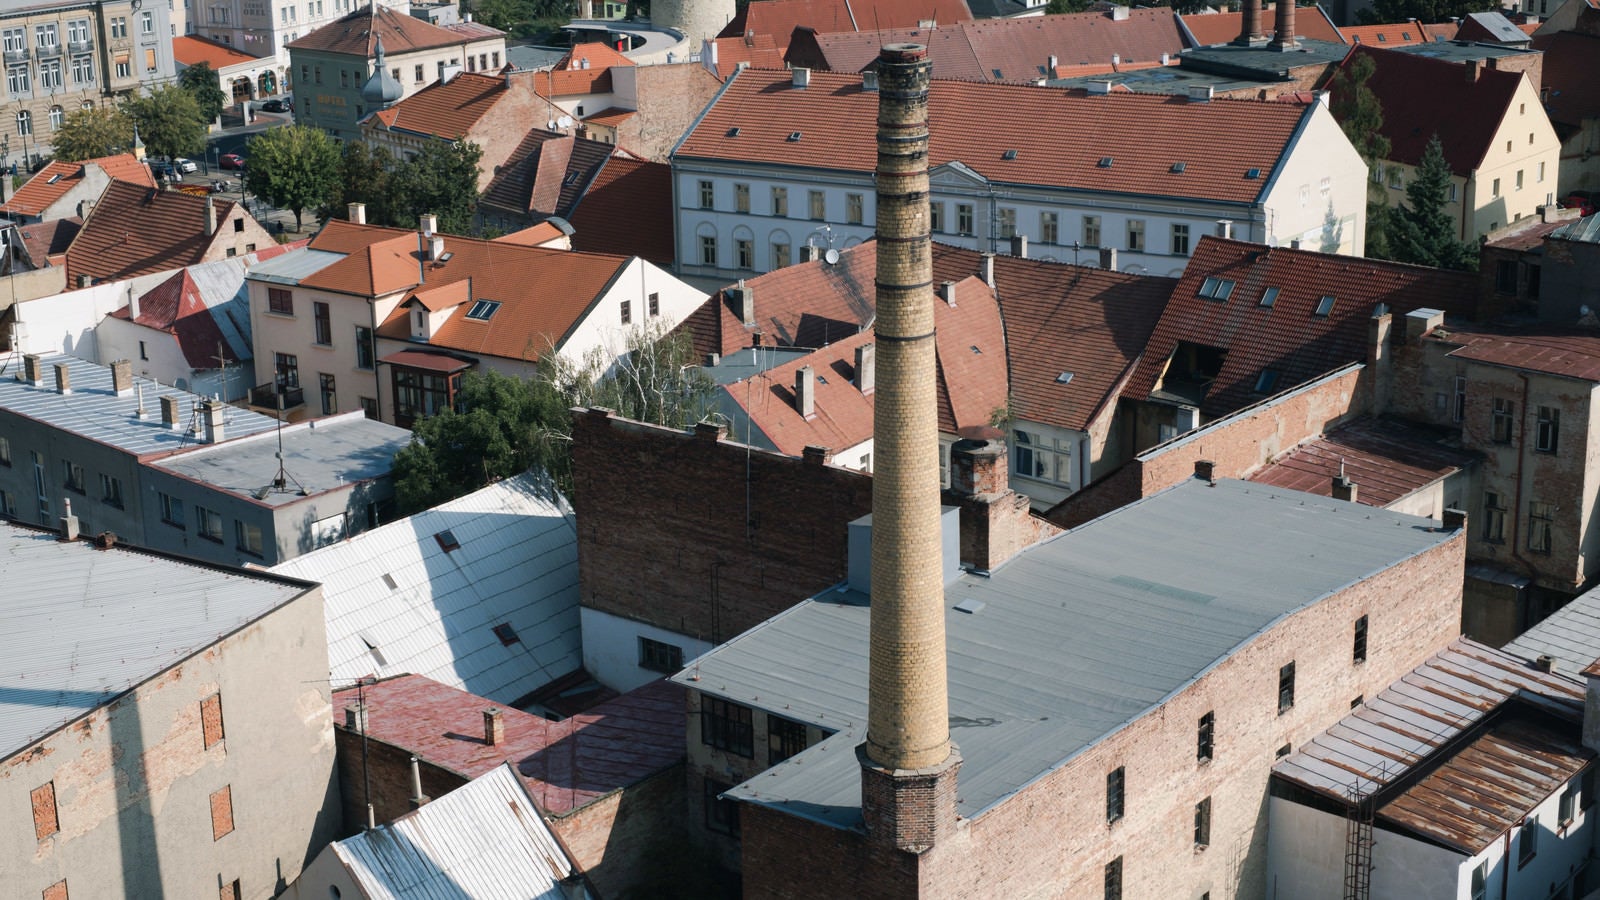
<point>34,197</point>
<point>531,181</point>
<point>47,242</point>
<point>191,50</point>
<point>759,50</point>
<point>779,18</point>
<point>135,230</point>
<point>1220,28</point>
<point>597,56</point>
<point>1061,136</point>
<point>538,234</point>
<point>611,116</point>
<point>446,109</point>
<point>571,82</point>
<point>627,209</point>
<point>385,266</point>
<point>1384,35</point>
<point>357,34</point>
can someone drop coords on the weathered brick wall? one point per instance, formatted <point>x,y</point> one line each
<point>624,841</point>
<point>669,99</point>
<point>703,537</point>
<point>386,770</point>
<point>790,858</point>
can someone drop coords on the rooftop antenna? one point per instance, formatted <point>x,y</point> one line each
<point>222,368</point>
<point>280,481</point>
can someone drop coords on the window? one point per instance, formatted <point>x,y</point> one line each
<point>741,198</point>
<point>369,408</point>
<point>1505,276</point>
<point>964,219</point>
<point>5,452</point>
<point>45,822</point>
<point>626,310</point>
<point>8,505</point>
<point>24,123</point>
<point>708,195</point>
<point>1217,288</point>
<point>853,208</point>
<point>722,816</point>
<point>654,302</point>
<point>111,491</point>
<point>818,204</point>
<point>1135,235</point>
<point>1202,823</point>
<point>1459,411</point>
<point>1180,240</point>
<point>1495,190</point>
<point>286,370</point>
<point>72,476</point>
<point>658,656</point>
<point>322,322</point>
<point>17,83</point>
<point>147,23</point>
<point>16,41</point>
<point>1540,176</point>
<point>1528,842</point>
<point>211,720</point>
<point>1541,517</point>
<point>1519,179</point>
<point>1116,784</point>
<point>1480,881</point>
<point>780,254</point>
<point>726,726</point>
<point>1049,228</point>
<point>1396,177</point>
<point>1269,297</point>
<point>364,351</point>
<point>416,74</point>
<point>222,813</point>
<point>1324,307</point>
<point>1113,879</point>
<point>150,60</point>
<point>1039,457</point>
<point>1501,420</point>
<point>50,76</point>
<point>124,66</point>
<point>744,251</point>
<point>208,524</point>
<point>57,115</point>
<point>936,217</point>
<point>330,397</point>
<point>784,739</point>
<point>780,201</point>
<point>45,36</point>
<point>1206,744</point>
<point>1547,433</point>
<point>1266,381</point>
<point>119,27</point>
<point>83,70</point>
<point>280,300</point>
<point>1494,518</point>
<point>171,510</point>
<point>1569,805</point>
<point>247,537</point>
<point>238,226</point>
<point>1358,651</point>
<point>708,249</point>
<point>1286,688</point>
<point>1007,223</point>
<point>1091,231</point>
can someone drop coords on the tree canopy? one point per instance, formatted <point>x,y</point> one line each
<point>92,132</point>
<point>200,80</point>
<point>295,167</point>
<point>364,177</point>
<point>1383,12</point>
<point>170,122</point>
<point>443,180</point>
<point>1360,114</point>
<point>1421,230</point>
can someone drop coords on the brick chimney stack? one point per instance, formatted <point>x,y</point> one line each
<point>1250,32</point>
<point>908,763</point>
<point>1285,39</point>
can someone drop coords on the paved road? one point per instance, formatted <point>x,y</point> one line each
<point>233,140</point>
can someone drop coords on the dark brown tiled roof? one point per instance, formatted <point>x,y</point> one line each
<point>627,209</point>
<point>1005,49</point>
<point>779,18</point>
<point>357,34</point>
<point>1220,28</point>
<point>1288,337</point>
<point>40,191</point>
<point>135,230</point>
<point>446,109</point>
<point>546,174</point>
<point>1422,96</point>
<point>1387,459</point>
<point>1060,136</point>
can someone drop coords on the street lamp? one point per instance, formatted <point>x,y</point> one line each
<point>5,164</point>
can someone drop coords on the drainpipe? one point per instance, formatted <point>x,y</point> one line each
<point>377,377</point>
<point>1522,475</point>
<point>1505,864</point>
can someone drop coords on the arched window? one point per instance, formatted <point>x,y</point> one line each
<point>88,104</point>
<point>24,123</point>
<point>55,118</point>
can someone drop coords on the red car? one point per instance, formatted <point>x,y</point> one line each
<point>232,161</point>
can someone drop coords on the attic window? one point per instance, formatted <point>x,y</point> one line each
<point>482,310</point>
<point>1269,297</point>
<point>734,131</point>
<point>1383,38</point>
<point>997,73</point>
<point>1324,306</point>
<point>1253,174</point>
<point>373,649</point>
<point>572,178</point>
<point>1266,381</point>
<point>1105,162</point>
<point>389,580</point>
<point>1064,378</point>
<point>1178,167</point>
<point>506,634</point>
<point>975,349</point>
<point>447,540</point>
<point>794,136</point>
<point>1217,288</point>
<point>54,178</point>
<point>1009,154</point>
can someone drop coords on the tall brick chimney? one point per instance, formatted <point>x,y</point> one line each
<point>1250,31</point>
<point>1285,39</point>
<point>908,763</point>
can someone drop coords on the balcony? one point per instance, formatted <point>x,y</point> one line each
<point>84,46</point>
<point>49,51</point>
<point>16,56</point>
<point>266,396</point>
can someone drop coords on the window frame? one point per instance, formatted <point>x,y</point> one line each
<point>204,520</point>
<point>1286,687</point>
<point>1206,737</point>
<point>1541,526</point>
<point>171,510</point>
<point>659,656</point>
<point>321,324</point>
<point>1202,824</point>
<point>111,491</point>
<point>1180,238</point>
<point>1547,430</point>
<point>280,301</point>
<point>242,532</point>
<point>786,738</point>
<point>1502,420</point>
<point>366,353</point>
<point>727,726</point>
<point>708,194</point>
<point>1359,648</point>
<point>1116,794</point>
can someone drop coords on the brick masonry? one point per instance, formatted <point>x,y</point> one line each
<point>44,811</point>
<point>222,812</point>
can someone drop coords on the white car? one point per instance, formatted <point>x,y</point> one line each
<point>185,165</point>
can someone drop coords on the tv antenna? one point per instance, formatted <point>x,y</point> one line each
<point>280,481</point>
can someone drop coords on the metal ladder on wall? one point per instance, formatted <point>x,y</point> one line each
<point>1358,844</point>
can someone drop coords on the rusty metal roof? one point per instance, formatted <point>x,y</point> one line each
<point>1568,353</point>
<point>1387,459</point>
<point>1470,796</point>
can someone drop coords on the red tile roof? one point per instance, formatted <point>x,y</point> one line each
<point>611,116</point>
<point>546,174</point>
<point>595,54</point>
<point>1442,31</point>
<point>135,230</point>
<point>779,18</point>
<point>1387,460</point>
<point>1006,49</point>
<point>1422,96</point>
<point>532,236</point>
<point>446,109</point>
<point>565,765</point>
<point>571,82</point>
<point>1061,136</point>
<point>1552,351</point>
<point>191,50</point>
<point>1571,79</point>
<point>47,242</point>
<point>1220,28</point>
<point>357,34</point>
<point>1392,35</point>
<point>40,191</point>
<point>759,50</point>
<point>627,209</point>
<point>176,307</point>
<point>1287,337</point>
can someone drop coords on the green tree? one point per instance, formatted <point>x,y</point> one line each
<point>200,80</point>
<point>1360,114</point>
<point>91,133</point>
<point>1398,11</point>
<point>1420,230</point>
<point>296,167</point>
<point>442,180</point>
<point>364,177</point>
<point>170,122</point>
<point>1057,7</point>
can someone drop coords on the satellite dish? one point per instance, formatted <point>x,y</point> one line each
<point>830,256</point>
<point>564,122</point>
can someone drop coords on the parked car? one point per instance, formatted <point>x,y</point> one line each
<point>185,165</point>
<point>277,105</point>
<point>1583,201</point>
<point>231,161</point>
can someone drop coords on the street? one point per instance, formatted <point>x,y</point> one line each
<point>233,140</point>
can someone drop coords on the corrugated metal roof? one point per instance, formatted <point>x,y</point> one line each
<point>1068,647</point>
<point>1387,459</point>
<point>1484,787</point>
<point>399,602</point>
<point>84,625</point>
<point>483,840</point>
<point>1571,635</point>
<point>291,267</point>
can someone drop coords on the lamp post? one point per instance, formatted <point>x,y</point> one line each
<point>5,164</point>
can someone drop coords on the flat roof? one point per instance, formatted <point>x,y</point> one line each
<point>291,267</point>
<point>1386,458</point>
<point>1460,51</point>
<point>92,624</point>
<point>1076,638</point>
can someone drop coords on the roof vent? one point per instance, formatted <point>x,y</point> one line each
<point>447,540</point>
<point>1105,162</point>
<point>1064,378</point>
<point>1178,167</point>
<point>794,136</point>
<point>1009,154</point>
<point>1099,87</point>
<point>734,131</point>
<point>1200,93</point>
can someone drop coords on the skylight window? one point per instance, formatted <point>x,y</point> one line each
<point>1217,288</point>
<point>997,74</point>
<point>483,310</point>
<point>1178,167</point>
<point>389,580</point>
<point>1324,306</point>
<point>447,540</point>
<point>1266,381</point>
<point>506,634</point>
<point>1105,162</point>
<point>1009,154</point>
<point>1269,296</point>
<point>794,136</point>
<point>1064,378</point>
<point>734,131</point>
<point>1253,174</point>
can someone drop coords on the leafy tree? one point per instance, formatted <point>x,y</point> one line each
<point>443,180</point>
<point>1397,11</point>
<point>1420,230</point>
<point>656,380</point>
<point>201,81</point>
<point>91,133</point>
<point>1360,114</point>
<point>364,177</point>
<point>295,167</point>
<point>170,122</point>
<point>1057,7</point>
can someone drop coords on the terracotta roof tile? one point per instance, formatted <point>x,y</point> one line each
<point>1394,35</point>
<point>591,55</point>
<point>1570,76</point>
<point>40,191</point>
<point>532,236</point>
<point>627,209</point>
<point>135,230</point>
<point>1387,459</point>
<point>47,242</point>
<point>1288,337</point>
<point>779,18</point>
<point>571,82</point>
<point>550,174</point>
<point>1220,28</point>
<point>611,116</point>
<point>176,307</point>
<point>1060,136</point>
<point>759,50</point>
<point>1442,31</point>
<point>546,174</point>
<point>357,33</point>
<point>446,109</point>
<point>1422,96</point>
<point>191,50</point>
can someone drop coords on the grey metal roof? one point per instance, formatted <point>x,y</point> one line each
<point>1586,229</point>
<point>83,625</point>
<point>1077,637</point>
<point>1571,635</point>
<point>294,265</point>
<point>1500,27</point>
<point>95,412</point>
<point>398,602</point>
<point>319,455</point>
<point>482,841</point>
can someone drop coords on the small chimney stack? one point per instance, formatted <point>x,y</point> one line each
<point>211,216</point>
<point>1051,64</point>
<point>63,379</point>
<point>947,292</point>
<point>133,305</point>
<point>1343,488</point>
<point>813,455</point>
<point>33,369</point>
<point>1225,228</point>
<point>808,253</point>
<point>1545,663</point>
<point>1205,469</point>
<point>988,269</point>
<point>494,728</point>
<point>866,363</point>
<point>1108,258</point>
<point>1454,520</point>
<point>1421,321</point>
<point>69,522</point>
<point>170,417</point>
<point>122,377</point>
<point>212,412</point>
<point>710,431</point>
<point>418,798</point>
<point>1471,67</point>
<point>428,223</point>
<point>745,298</point>
<point>805,392</point>
<point>357,213</point>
